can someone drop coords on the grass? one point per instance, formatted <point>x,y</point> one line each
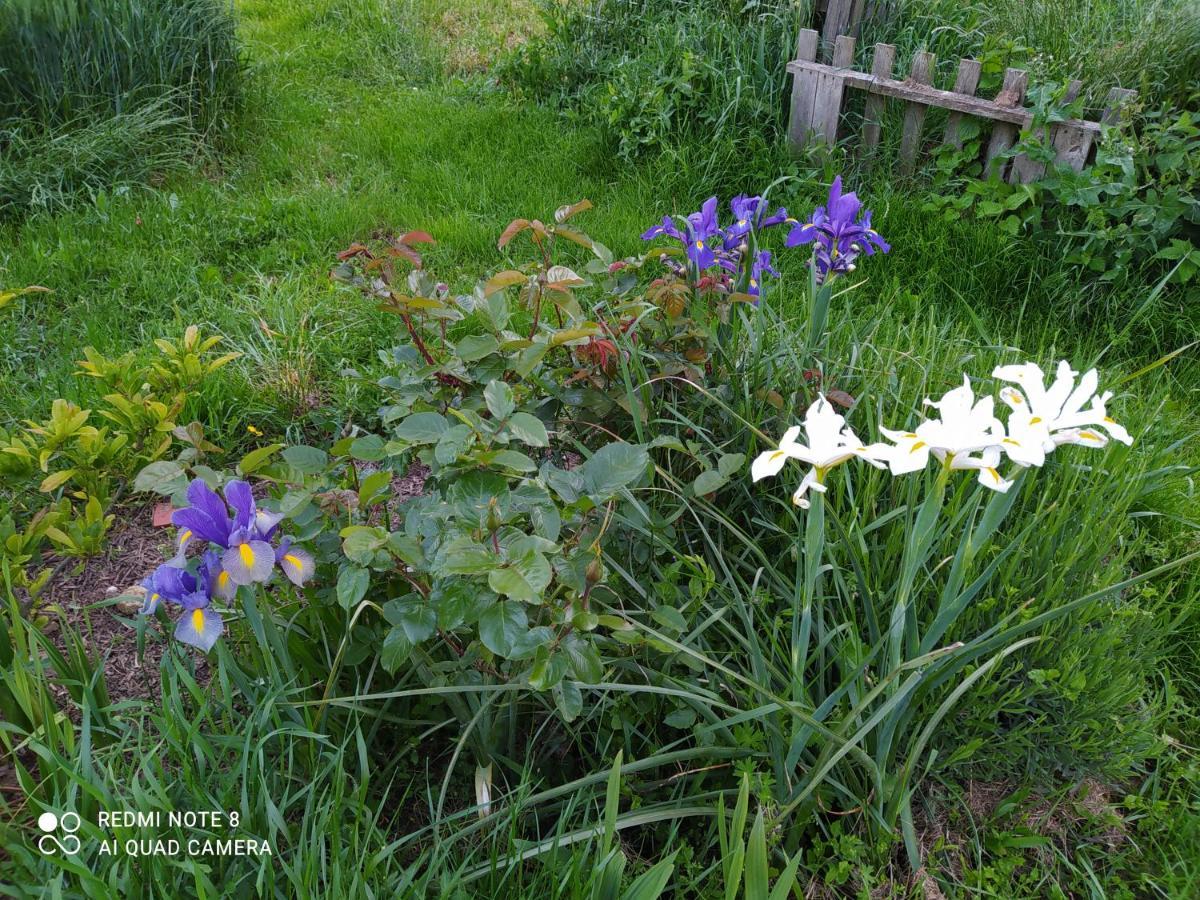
<point>345,138</point>
<point>95,98</point>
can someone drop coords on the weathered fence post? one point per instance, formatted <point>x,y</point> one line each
<point>966,83</point>
<point>837,20</point>
<point>818,90</point>
<point>1024,169</point>
<point>881,67</point>
<point>827,105</point>
<point>914,114</point>
<point>1004,134</point>
<point>804,88</point>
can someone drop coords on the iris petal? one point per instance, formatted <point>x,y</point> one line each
<point>200,628</point>
<point>249,562</point>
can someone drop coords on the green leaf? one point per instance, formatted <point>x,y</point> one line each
<point>307,460</point>
<point>415,616</point>
<point>396,648</point>
<point>162,477</point>
<point>352,585</point>
<point>475,347</point>
<point>451,444</point>
<point>422,428</point>
<point>501,626</point>
<point>529,429</point>
<point>470,559</point>
<point>612,468</point>
<point>369,448</point>
<point>569,700</point>
<point>708,481</point>
<point>374,487</point>
<point>458,603</point>
<point>512,459</point>
<point>681,718</point>
<point>499,399</point>
<point>508,581</point>
<point>730,463</point>
<point>360,543</point>
<point>528,359</point>
<point>254,460</point>
<point>584,659</point>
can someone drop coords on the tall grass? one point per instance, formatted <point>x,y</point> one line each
<point>98,94</point>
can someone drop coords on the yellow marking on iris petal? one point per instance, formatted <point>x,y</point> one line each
<point>994,473</point>
<point>776,454</point>
<point>741,222</point>
<point>153,599</point>
<point>699,245</point>
<point>222,580</point>
<point>185,535</point>
<point>753,283</point>
<point>1036,420</point>
<point>247,553</point>
<point>917,446</point>
<point>1109,421</point>
<point>1016,398</point>
<point>1011,441</point>
<point>294,560</point>
<point>1089,435</point>
<point>198,620</point>
<point>910,434</point>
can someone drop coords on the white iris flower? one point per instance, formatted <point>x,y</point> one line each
<point>966,436</point>
<point>1045,418</point>
<point>830,442</point>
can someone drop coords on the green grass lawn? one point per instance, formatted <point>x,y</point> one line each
<point>351,130</point>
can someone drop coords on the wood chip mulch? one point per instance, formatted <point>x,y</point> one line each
<point>85,590</point>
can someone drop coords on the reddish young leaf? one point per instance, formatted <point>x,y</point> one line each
<point>416,237</point>
<point>841,398</point>
<point>501,280</point>
<point>354,250</point>
<point>565,212</point>
<point>515,227</point>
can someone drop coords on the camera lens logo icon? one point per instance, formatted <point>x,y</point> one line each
<point>49,823</point>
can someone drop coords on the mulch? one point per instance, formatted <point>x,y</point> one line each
<point>86,593</point>
<point>99,597</point>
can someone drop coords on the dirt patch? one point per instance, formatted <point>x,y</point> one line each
<point>86,594</point>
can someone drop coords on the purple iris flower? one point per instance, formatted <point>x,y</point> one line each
<point>761,264</point>
<point>750,214</point>
<point>837,233</point>
<point>239,527</point>
<point>667,227</point>
<point>199,624</point>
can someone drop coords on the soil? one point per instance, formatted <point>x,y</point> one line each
<point>100,598</point>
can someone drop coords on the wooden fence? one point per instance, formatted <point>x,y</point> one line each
<point>818,91</point>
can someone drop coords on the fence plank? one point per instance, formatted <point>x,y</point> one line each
<point>1061,138</point>
<point>931,96</point>
<point>914,116</point>
<point>966,83</point>
<point>881,67</point>
<point>1024,170</point>
<point>1004,135</point>
<point>1114,105</point>
<point>804,87</point>
<point>827,104</point>
<point>837,21</point>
